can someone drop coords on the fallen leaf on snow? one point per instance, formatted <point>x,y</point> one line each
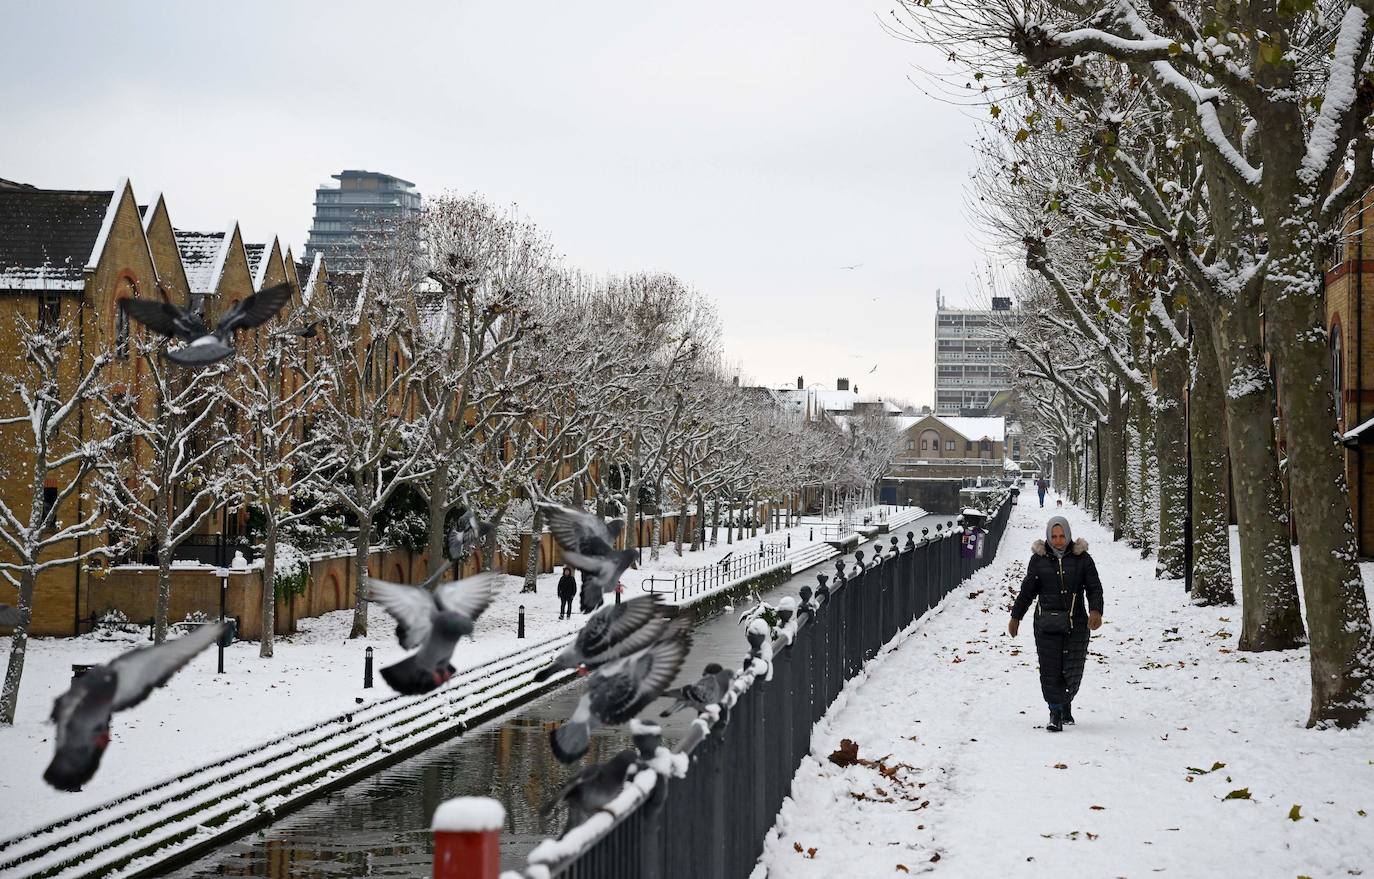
<point>847,754</point>
<point>1061,766</point>
<point>1240,793</point>
<point>1295,813</point>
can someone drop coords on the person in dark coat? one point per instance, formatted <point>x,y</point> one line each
<point>567,591</point>
<point>1042,485</point>
<point>1064,578</point>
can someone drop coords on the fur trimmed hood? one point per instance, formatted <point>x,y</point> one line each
<point>1080,546</point>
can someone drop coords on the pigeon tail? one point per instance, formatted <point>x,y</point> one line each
<point>547,671</point>
<point>571,740</point>
<point>411,678</point>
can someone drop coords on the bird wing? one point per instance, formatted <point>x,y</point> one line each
<point>641,678</point>
<point>257,309</point>
<point>613,528</point>
<point>615,624</point>
<point>468,596</point>
<point>165,318</point>
<point>412,607</point>
<point>144,669</point>
<point>456,545</point>
<point>577,531</point>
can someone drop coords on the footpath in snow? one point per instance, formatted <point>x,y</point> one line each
<point>1189,758</point>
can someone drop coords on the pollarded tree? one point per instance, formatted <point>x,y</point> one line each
<point>35,538</point>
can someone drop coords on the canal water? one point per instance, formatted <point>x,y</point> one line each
<point>379,826</point>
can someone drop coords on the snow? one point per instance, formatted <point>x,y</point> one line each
<point>1325,140</point>
<point>1354,433</point>
<point>111,211</point>
<point>469,815</point>
<point>951,710</point>
<point>994,429</point>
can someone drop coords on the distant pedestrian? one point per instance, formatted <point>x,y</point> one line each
<point>1042,485</point>
<point>567,591</point>
<point>1064,578</point>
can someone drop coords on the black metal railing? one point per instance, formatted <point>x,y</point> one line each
<point>208,549</point>
<point>712,822</point>
<point>708,578</point>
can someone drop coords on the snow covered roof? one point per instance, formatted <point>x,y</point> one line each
<point>49,236</point>
<point>312,272</point>
<point>202,257</point>
<point>994,429</point>
<point>256,260</point>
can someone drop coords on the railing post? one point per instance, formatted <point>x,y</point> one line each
<point>467,838</point>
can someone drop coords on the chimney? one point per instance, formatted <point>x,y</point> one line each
<point>842,384</point>
<point>856,389</point>
<point>800,384</point>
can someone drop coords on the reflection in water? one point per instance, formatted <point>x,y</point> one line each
<point>380,826</point>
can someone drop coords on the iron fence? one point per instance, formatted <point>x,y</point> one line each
<point>708,578</point>
<point>712,822</point>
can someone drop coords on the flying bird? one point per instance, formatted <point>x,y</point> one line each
<point>851,267</point>
<point>588,544</point>
<point>615,630</point>
<point>593,787</point>
<point>9,616</point>
<point>432,622</point>
<point>616,692</point>
<point>874,369</point>
<point>468,534</point>
<point>82,714</point>
<point>709,690</point>
<point>309,331</point>
<point>204,347</point>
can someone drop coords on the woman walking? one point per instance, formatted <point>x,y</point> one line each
<point>1063,576</point>
<point>567,591</point>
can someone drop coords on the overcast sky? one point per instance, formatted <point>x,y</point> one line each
<point>751,148</point>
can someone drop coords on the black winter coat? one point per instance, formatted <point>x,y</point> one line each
<point>1060,584</point>
<point>567,587</point>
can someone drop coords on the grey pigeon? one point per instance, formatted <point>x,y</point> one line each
<point>468,534</point>
<point>588,544</point>
<point>82,714</point>
<point>204,347</point>
<point>709,690</point>
<point>9,616</point>
<point>433,622</point>
<point>593,787</point>
<point>615,630</point>
<point>616,692</point>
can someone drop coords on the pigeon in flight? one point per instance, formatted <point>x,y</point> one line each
<point>593,787</point>
<point>433,622</point>
<point>709,690</point>
<point>615,630</point>
<point>468,534</point>
<point>851,267</point>
<point>589,545</point>
<point>616,692</point>
<point>9,616</point>
<point>82,714</point>
<point>204,347</point>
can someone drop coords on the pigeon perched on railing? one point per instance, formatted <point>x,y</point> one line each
<point>433,622</point>
<point>593,787</point>
<point>615,630</point>
<point>588,544</point>
<point>82,714</point>
<point>618,691</point>
<point>204,347</point>
<point>708,690</point>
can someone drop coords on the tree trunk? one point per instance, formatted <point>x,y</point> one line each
<point>532,557</point>
<point>1171,370</point>
<point>1342,645</point>
<point>699,532</point>
<point>715,519</point>
<point>269,588</point>
<point>754,517</point>
<point>19,642</point>
<point>1271,615</point>
<point>657,527</point>
<point>1211,531</point>
<point>163,606</point>
<point>1116,460</point>
<point>681,536</point>
<point>360,547</point>
<point>438,516</point>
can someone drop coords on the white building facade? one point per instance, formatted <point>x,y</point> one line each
<point>971,356</point>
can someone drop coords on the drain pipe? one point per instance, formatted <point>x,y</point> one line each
<point>1359,380</point>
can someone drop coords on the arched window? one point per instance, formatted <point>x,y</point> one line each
<point>1337,372</point>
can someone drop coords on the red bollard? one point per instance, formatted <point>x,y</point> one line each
<point>467,838</point>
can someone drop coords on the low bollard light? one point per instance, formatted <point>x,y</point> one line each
<point>367,669</point>
<point>520,623</point>
<point>467,838</point>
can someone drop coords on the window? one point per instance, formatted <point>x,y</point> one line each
<point>1337,378</point>
<point>923,445</point>
<point>987,445</point>
<point>49,309</point>
<point>949,445</point>
<point>968,445</point>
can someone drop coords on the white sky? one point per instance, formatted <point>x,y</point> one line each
<point>751,148</point>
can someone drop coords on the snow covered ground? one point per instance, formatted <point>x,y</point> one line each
<point>201,716</point>
<point>1189,758</point>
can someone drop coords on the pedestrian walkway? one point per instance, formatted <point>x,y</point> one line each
<point>1189,758</point>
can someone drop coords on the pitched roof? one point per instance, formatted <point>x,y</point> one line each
<point>48,236</point>
<point>202,256</point>
<point>994,429</point>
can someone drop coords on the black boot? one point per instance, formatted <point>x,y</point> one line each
<point>1067,716</point>
<point>1056,723</point>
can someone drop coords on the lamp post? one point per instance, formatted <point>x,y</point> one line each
<point>223,574</point>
